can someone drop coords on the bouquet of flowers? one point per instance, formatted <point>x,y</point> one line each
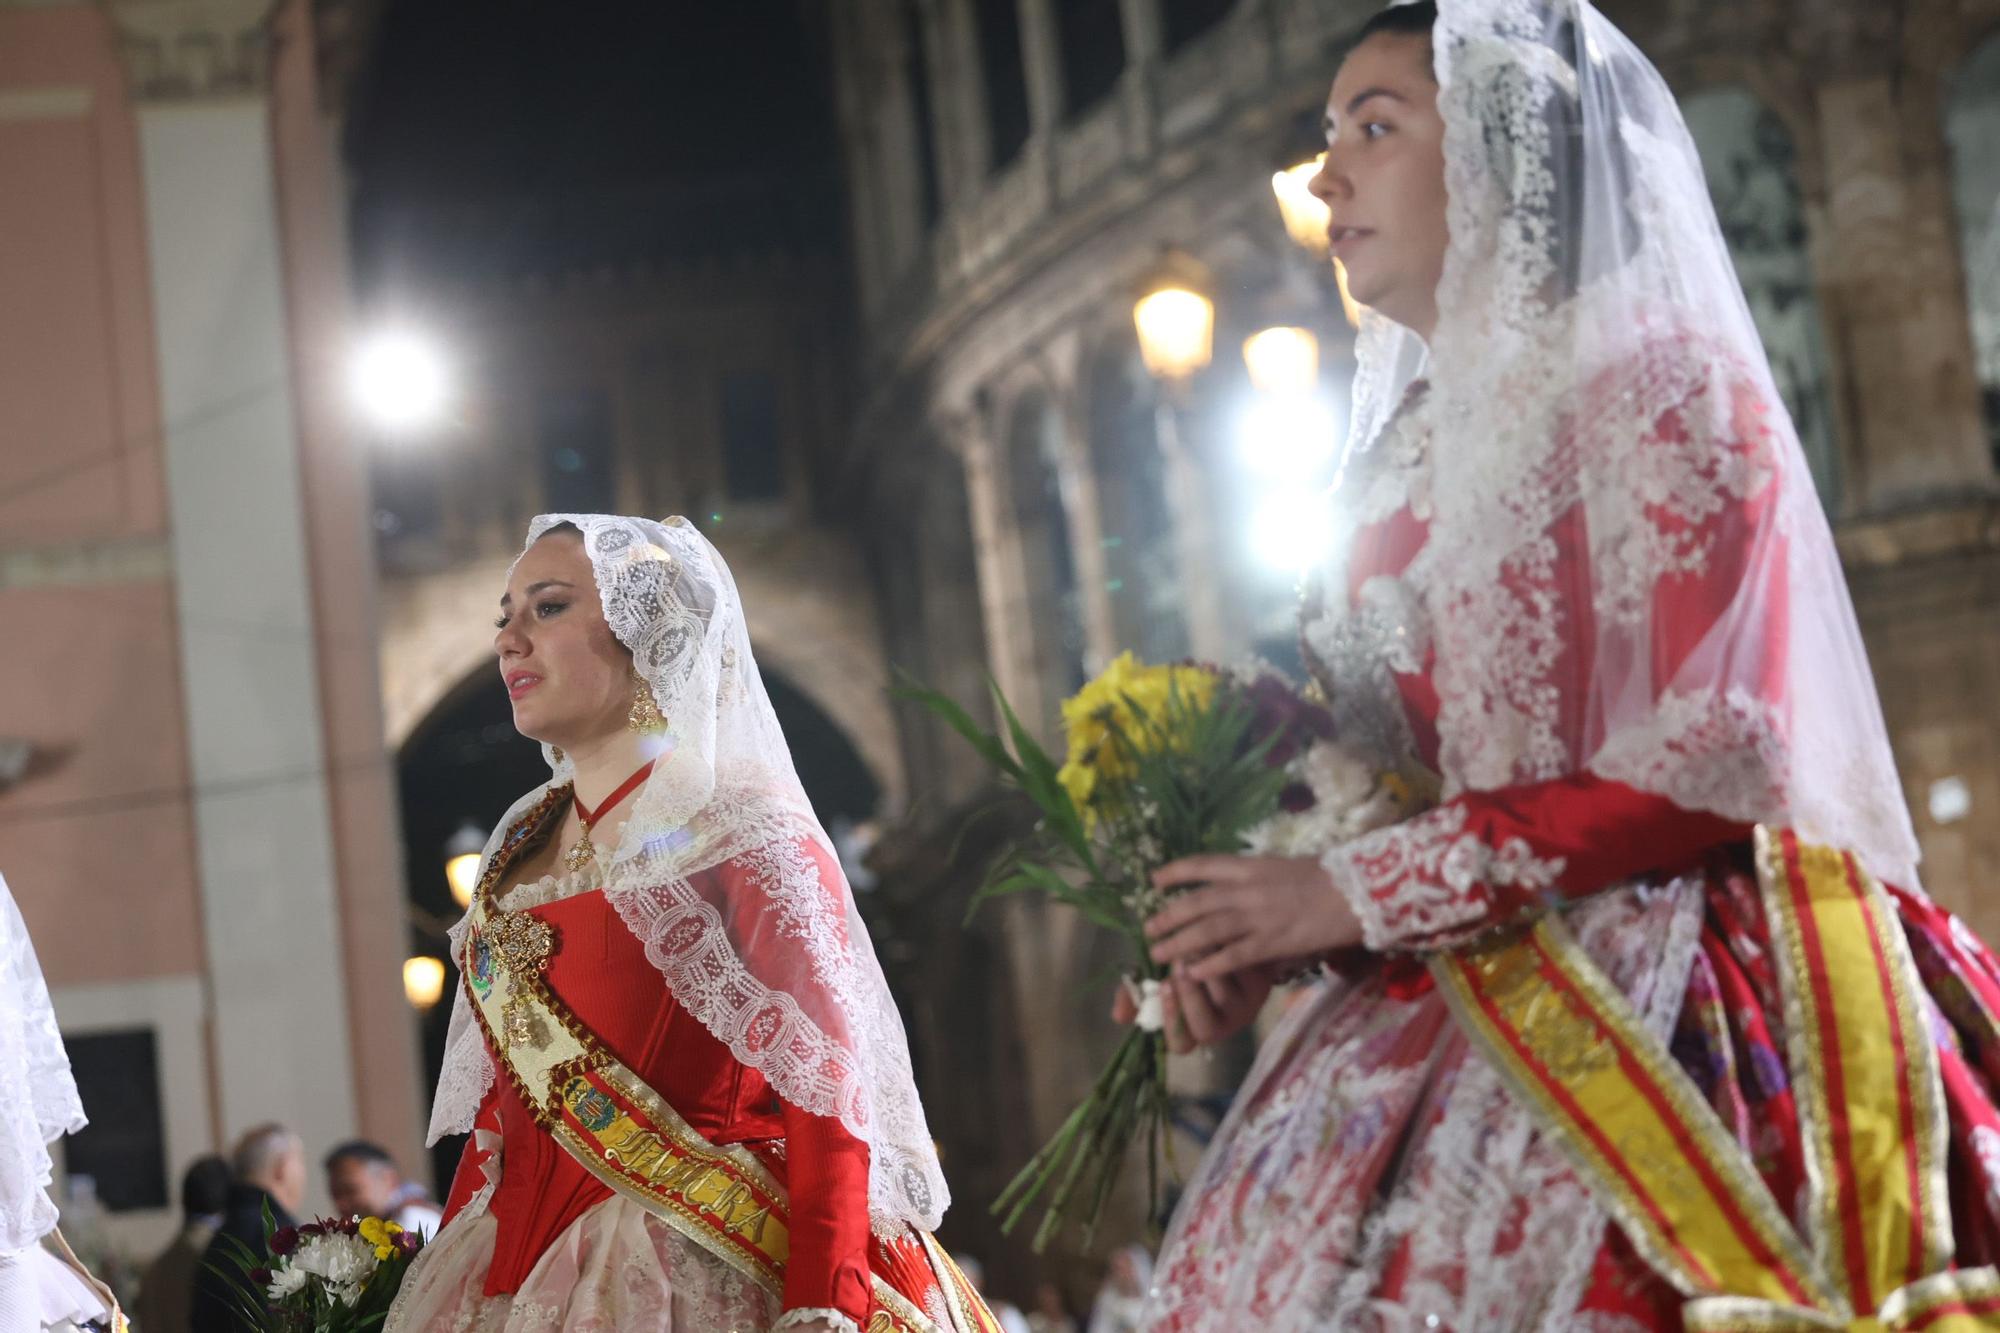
<point>325,1276</point>
<point>1162,762</point>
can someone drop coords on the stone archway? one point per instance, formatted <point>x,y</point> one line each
<point>812,617</point>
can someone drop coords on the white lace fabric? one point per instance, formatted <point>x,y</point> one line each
<point>38,1101</point>
<point>616,1267</point>
<point>1595,378</point>
<point>1376,1175</point>
<point>780,971</point>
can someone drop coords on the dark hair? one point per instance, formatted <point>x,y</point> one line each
<point>205,1187</point>
<point>1415,20</point>
<point>360,1150</point>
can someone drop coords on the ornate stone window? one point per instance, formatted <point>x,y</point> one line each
<point>1145,587</point>
<point>1972,125</point>
<point>1001,68</point>
<point>1035,479</point>
<point>1749,158</point>
<point>1093,52</point>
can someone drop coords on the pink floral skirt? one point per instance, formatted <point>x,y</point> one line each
<point>1375,1176</point>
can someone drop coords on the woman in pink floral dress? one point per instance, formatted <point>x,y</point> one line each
<point>1586,589</point>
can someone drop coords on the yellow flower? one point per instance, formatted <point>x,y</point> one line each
<point>382,1235</point>
<point>1103,722</point>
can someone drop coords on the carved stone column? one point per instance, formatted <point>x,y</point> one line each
<point>1145,50</point>
<point>192,50</point>
<point>1084,512</point>
<point>1887,259</point>
<point>1010,616</point>
<point>243,500</point>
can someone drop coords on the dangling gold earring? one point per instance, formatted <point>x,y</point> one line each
<point>645,715</point>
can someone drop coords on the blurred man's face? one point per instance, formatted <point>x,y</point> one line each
<point>288,1181</point>
<point>361,1189</point>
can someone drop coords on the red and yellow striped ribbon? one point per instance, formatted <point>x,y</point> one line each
<point>1865,1076</point>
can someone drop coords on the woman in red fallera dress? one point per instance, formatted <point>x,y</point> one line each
<point>1644,1023</point>
<point>688,1090</point>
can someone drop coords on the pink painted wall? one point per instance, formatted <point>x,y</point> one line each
<point>100,848</point>
<point>100,852</point>
<point>79,401</point>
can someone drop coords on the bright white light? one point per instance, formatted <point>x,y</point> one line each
<point>1282,360</point>
<point>1951,800</point>
<point>1176,332</point>
<point>1306,218</point>
<point>400,381</point>
<point>1287,437</point>
<point>423,981</point>
<point>1291,532</point>
<point>462,873</point>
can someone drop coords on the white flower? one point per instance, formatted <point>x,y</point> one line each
<point>1146,998</point>
<point>343,1264</point>
<point>1348,801</point>
<point>285,1280</point>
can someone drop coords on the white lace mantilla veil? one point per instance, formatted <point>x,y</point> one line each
<point>1594,351</point>
<point>787,979</point>
<point>38,1101</point>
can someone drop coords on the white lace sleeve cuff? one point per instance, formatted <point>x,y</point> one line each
<point>801,1317</point>
<point>1427,878</point>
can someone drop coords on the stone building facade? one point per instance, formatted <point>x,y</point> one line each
<point>1017,169</point>
<point>203,839</point>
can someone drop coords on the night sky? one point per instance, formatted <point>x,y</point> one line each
<point>525,135</point>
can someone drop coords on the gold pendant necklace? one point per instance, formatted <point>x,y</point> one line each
<point>584,853</point>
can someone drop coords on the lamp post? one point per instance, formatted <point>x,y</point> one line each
<point>1175,320</point>
<point>461,862</point>
<point>423,981</point>
<point>1288,438</point>
<point>1282,359</point>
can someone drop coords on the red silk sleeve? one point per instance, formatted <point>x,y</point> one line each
<point>827,1171</point>
<point>1488,858</point>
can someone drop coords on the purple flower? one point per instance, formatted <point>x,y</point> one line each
<point>284,1240</point>
<point>1276,709</point>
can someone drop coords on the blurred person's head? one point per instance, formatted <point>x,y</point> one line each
<point>205,1188</point>
<point>1049,1301</point>
<point>273,1159</point>
<point>362,1179</point>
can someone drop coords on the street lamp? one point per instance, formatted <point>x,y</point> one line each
<point>1306,220</point>
<point>1287,431</point>
<point>1175,320</point>
<point>1176,332</point>
<point>401,381</point>
<point>423,981</point>
<point>1306,217</point>
<point>461,863</point>
<point>1282,360</point>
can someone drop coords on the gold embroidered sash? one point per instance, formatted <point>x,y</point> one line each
<point>1640,1133</point>
<point>724,1199</point>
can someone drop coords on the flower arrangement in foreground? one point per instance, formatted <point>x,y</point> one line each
<point>326,1276</point>
<point>1162,762</point>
